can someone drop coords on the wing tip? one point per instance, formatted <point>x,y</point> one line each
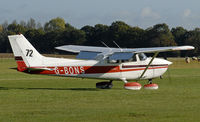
<point>184,48</point>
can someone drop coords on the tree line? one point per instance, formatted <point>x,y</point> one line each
<point>57,32</point>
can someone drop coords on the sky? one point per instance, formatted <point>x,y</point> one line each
<point>141,13</point>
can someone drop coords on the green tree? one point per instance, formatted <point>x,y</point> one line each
<point>50,40</point>
<point>55,24</point>
<point>100,34</point>
<point>179,35</point>
<point>23,23</point>
<point>69,26</point>
<point>192,38</point>
<point>56,33</point>
<point>14,22</point>
<point>89,33</point>
<point>71,36</point>
<point>117,33</point>
<point>15,29</point>
<point>35,37</point>
<point>159,36</point>
<point>134,37</point>
<point>4,43</point>
<point>39,26</point>
<point>31,24</point>
<point>5,25</point>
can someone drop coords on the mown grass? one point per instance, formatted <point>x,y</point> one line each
<point>33,98</point>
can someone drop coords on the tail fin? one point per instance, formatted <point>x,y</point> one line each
<point>25,54</point>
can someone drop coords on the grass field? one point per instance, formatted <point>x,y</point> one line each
<point>34,98</point>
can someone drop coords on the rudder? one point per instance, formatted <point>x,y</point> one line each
<point>25,54</point>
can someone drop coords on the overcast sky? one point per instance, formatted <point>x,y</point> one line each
<point>142,13</point>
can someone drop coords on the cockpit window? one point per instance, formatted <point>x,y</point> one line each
<point>121,57</point>
<point>142,56</point>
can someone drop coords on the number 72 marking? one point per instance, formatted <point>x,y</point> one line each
<point>29,52</point>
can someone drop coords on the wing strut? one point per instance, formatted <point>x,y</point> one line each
<point>156,53</point>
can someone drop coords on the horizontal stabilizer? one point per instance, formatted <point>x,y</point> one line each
<point>39,69</point>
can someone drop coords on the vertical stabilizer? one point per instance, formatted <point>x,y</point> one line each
<point>25,54</point>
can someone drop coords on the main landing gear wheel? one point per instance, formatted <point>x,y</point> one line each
<point>104,85</point>
<point>151,85</point>
<point>133,86</point>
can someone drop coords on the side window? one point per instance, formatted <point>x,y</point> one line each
<point>112,61</point>
<point>134,58</point>
<point>120,57</point>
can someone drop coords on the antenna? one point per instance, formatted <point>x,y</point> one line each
<point>105,45</point>
<point>117,45</point>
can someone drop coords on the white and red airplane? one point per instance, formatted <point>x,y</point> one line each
<point>95,62</point>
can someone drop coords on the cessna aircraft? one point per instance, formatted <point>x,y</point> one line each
<point>95,62</point>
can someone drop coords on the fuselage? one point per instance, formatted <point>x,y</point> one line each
<point>103,69</point>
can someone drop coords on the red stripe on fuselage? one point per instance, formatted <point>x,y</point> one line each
<point>74,70</point>
<point>136,66</point>
<point>136,69</point>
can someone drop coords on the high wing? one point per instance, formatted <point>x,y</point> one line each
<point>78,49</point>
<point>98,53</point>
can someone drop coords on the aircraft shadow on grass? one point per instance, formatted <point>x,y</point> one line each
<point>75,89</point>
<point>14,68</point>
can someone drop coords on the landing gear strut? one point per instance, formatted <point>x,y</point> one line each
<point>104,85</point>
<point>150,81</point>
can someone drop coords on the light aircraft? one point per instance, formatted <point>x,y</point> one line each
<point>95,62</point>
